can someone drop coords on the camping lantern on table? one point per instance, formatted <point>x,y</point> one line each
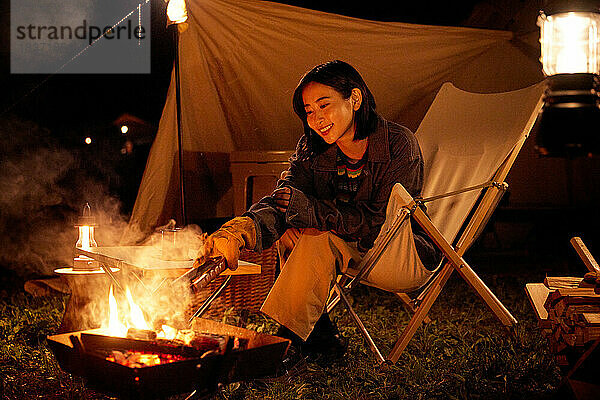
<point>86,225</point>
<point>85,277</point>
<point>570,55</point>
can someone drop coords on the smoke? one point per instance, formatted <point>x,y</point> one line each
<point>162,301</point>
<point>43,188</point>
<point>164,256</point>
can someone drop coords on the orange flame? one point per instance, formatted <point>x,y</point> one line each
<point>118,326</point>
<point>167,332</point>
<point>115,326</point>
<point>135,313</point>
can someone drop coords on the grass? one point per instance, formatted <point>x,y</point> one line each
<point>28,369</point>
<point>463,353</point>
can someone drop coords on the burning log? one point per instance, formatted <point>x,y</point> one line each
<point>187,344</point>
<point>141,334</point>
<point>204,341</point>
<point>139,359</point>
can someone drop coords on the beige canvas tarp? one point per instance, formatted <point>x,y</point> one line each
<point>241,60</point>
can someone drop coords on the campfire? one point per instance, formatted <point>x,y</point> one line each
<point>134,324</point>
<point>169,343</point>
<point>145,344</point>
<point>138,353</point>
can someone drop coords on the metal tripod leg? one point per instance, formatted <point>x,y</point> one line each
<point>360,324</point>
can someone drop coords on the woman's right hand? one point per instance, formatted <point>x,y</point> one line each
<point>282,197</point>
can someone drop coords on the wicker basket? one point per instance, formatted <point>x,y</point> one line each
<point>244,292</point>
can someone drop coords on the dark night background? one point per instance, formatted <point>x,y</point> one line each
<point>64,102</point>
<point>44,119</point>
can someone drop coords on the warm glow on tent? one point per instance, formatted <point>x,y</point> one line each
<point>177,11</point>
<point>570,43</point>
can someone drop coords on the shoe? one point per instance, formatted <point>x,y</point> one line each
<point>293,364</point>
<point>325,341</point>
<point>286,333</point>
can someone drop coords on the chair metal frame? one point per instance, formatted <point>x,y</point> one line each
<point>491,193</point>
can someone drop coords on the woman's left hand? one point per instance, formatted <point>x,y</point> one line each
<point>282,197</point>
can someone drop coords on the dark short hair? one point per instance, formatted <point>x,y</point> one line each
<point>342,77</point>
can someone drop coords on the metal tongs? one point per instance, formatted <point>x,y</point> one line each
<point>201,276</point>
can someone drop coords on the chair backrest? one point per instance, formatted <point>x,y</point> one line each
<point>465,139</point>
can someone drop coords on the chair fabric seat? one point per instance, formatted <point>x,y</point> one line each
<point>398,268</point>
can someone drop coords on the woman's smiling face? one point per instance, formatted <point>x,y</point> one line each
<point>328,113</point>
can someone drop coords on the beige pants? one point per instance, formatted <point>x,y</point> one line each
<point>299,295</point>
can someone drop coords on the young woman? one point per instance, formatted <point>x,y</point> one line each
<point>328,208</point>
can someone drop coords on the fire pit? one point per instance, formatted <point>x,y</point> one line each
<point>148,347</point>
<point>157,368</point>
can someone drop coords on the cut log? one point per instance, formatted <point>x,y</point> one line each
<point>558,282</point>
<point>591,318</point>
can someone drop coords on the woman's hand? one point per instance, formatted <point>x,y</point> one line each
<point>220,244</point>
<point>292,235</point>
<point>290,238</point>
<point>282,198</point>
<point>227,242</point>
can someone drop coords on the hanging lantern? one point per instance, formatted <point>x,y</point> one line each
<point>86,225</point>
<point>570,56</point>
<point>570,42</point>
<point>177,13</point>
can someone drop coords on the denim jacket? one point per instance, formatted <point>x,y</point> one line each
<point>393,155</point>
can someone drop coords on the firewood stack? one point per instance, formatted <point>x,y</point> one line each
<point>573,316</point>
<point>573,306</point>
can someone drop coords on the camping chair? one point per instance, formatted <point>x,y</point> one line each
<point>469,143</point>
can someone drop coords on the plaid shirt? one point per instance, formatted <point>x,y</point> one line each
<point>393,155</point>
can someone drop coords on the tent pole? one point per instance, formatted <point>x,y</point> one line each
<point>179,127</point>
